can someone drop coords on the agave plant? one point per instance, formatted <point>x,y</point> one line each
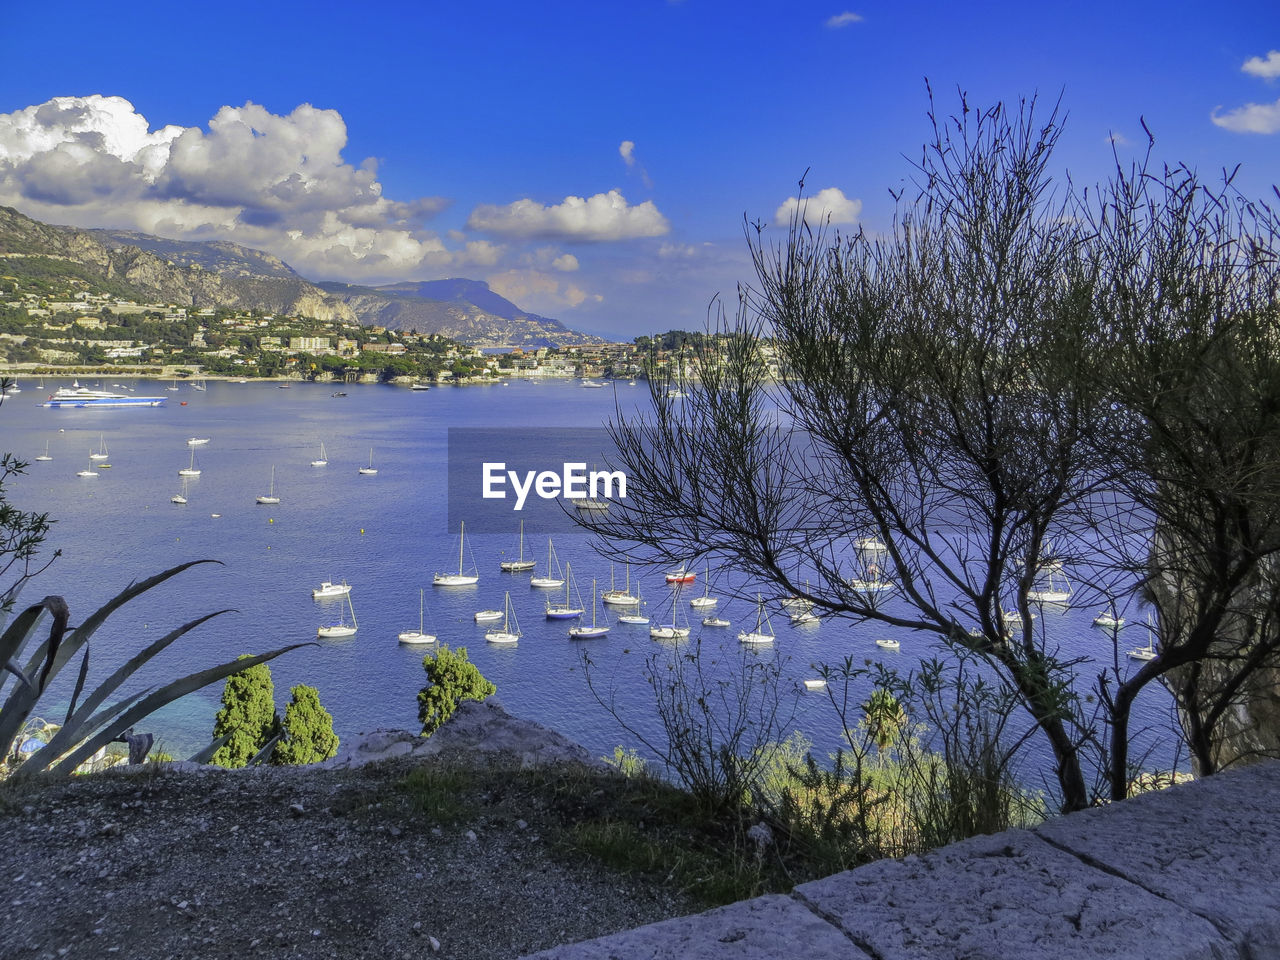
<point>91,724</point>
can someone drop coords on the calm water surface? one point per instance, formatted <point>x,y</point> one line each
<point>383,534</point>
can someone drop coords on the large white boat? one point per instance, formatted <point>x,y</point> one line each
<point>462,578</point>
<point>327,589</point>
<point>197,441</point>
<point>78,396</point>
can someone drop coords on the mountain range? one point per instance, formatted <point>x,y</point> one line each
<point>220,274</point>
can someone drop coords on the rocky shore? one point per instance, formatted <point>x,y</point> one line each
<point>342,860</point>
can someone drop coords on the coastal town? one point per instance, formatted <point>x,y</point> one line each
<point>88,332</point>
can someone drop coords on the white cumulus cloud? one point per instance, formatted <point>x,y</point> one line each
<point>540,292</point>
<point>603,217</point>
<point>843,20</point>
<point>1251,118</point>
<point>627,150</point>
<point>273,181</point>
<point>565,263</point>
<point>1267,67</point>
<point>828,205</point>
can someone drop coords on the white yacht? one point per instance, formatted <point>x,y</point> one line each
<point>463,578</point>
<point>762,632</point>
<point>327,590</point>
<point>510,632</point>
<point>370,470</point>
<point>419,635</point>
<point>78,396</point>
<point>553,568</point>
<point>270,497</point>
<point>341,628</point>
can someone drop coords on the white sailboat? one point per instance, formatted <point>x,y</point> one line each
<point>553,568</point>
<point>370,470</point>
<point>420,635</point>
<point>581,632</point>
<point>487,616</point>
<point>180,498</point>
<point>1149,651</point>
<point>462,578</point>
<point>341,628</point>
<point>271,497</point>
<point>323,459</point>
<point>190,470</point>
<point>673,630</point>
<point>705,601</point>
<point>872,582</point>
<point>101,453</point>
<point>45,455</point>
<point>88,471</point>
<point>762,632</point>
<point>620,598</point>
<point>714,621</point>
<point>566,609</point>
<point>1108,619</point>
<point>521,564</point>
<point>1048,588</point>
<point>510,632</point>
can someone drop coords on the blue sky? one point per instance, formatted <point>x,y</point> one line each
<point>392,141</point>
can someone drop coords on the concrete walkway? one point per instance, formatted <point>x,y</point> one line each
<point>1189,872</point>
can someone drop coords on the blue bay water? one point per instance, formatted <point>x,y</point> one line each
<point>385,535</point>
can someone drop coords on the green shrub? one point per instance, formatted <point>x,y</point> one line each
<point>248,716</point>
<point>308,730</point>
<point>451,678</point>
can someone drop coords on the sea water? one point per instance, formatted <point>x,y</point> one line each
<point>385,535</point>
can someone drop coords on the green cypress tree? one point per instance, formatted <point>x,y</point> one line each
<point>451,677</point>
<point>248,713</point>
<point>308,730</point>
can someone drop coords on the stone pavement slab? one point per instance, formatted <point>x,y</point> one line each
<point>1212,846</point>
<point>766,928</point>
<point>1007,896</point>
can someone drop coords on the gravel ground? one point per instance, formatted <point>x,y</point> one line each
<point>290,862</point>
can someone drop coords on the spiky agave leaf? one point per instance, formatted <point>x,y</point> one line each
<point>56,650</point>
<point>154,701</point>
<point>206,754</point>
<point>83,719</point>
<point>265,752</point>
<point>81,634</point>
<point>13,638</point>
<point>22,699</point>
